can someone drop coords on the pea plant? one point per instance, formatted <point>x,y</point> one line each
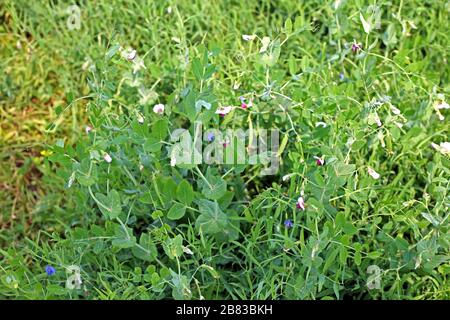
<point>286,181</point>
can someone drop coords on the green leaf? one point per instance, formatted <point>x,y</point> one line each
<point>216,189</point>
<point>349,228</point>
<point>85,181</point>
<point>70,97</point>
<point>283,144</point>
<point>124,237</point>
<point>197,68</point>
<point>343,169</point>
<point>366,25</point>
<point>157,214</point>
<point>331,259</point>
<point>160,129</point>
<point>343,253</point>
<point>176,212</point>
<point>340,219</point>
<point>212,220</point>
<point>147,250</point>
<point>288,26</point>
<point>185,194</point>
<point>173,247</point>
<point>357,258</point>
<point>109,205</point>
<point>112,51</point>
<point>116,204</point>
<point>180,289</point>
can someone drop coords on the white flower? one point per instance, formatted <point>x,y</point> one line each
<point>140,119</point>
<point>158,108</point>
<point>131,55</point>
<point>398,124</point>
<point>322,124</point>
<point>248,37</point>
<point>301,203</point>
<point>169,10</point>
<point>107,158</point>
<point>265,44</point>
<point>88,129</point>
<point>373,173</point>
<point>128,53</point>
<point>442,105</point>
<point>350,142</point>
<point>286,177</point>
<point>173,161</point>
<point>377,119</point>
<point>223,110</point>
<point>71,180</point>
<point>395,110</point>
<point>86,64</point>
<point>138,64</point>
<point>443,147</point>
<point>187,250</point>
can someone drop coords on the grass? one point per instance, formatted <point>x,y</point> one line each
<point>44,223</point>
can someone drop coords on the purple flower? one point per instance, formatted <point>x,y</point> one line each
<point>288,223</point>
<point>50,270</point>
<point>210,137</point>
<point>341,76</point>
<point>356,47</point>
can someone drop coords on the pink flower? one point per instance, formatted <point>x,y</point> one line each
<point>131,55</point>
<point>243,102</point>
<point>319,161</point>
<point>300,203</point>
<point>88,129</point>
<point>226,142</point>
<point>158,108</point>
<point>356,46</point>
<point>223,111</point>
<point>107,158</point>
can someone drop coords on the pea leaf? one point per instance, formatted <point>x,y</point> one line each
<point>109,205</point>
<point>173,247</point>
<point>147,250</point>
<point>216,189</point>
<point>343,169</point>
<point>212,220</point>
<point>176,212</point>
<point>185,194</point>
<point>124,237</point>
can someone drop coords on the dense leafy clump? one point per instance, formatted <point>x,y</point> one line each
<point>357,203</point>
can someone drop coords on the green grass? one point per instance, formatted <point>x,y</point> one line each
<point>399,222</point>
